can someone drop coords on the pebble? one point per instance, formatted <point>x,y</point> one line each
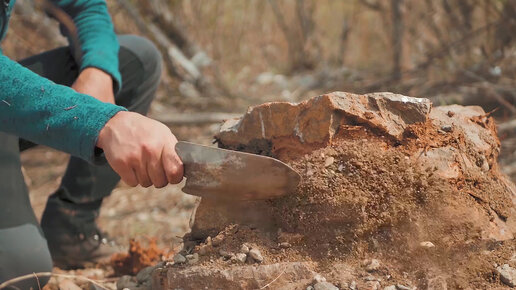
<point>325,286</point>
<point>208,241</point>
<point>402,287</point>
<point>427,244</point>
<point>507,275</point>
<point>353,285</point>
<point>126,281</point>
<point>241,257</point>
<point>285,245</point>
<point>373,265</point>
<point>216,241</point>
<point>310,287</point>
<point>203,250</point>
<point>447,128</point>
<point>244,249</point>
<point>329,161</point>
<point>178,258</point>
<point>225,254</point>
<point>256,255</point>
<point>392,287</point>
<point>318,278</point>
<point>193,259</point>
<point>68,285</point>
<point>373,285</point>
<point>144,274</point>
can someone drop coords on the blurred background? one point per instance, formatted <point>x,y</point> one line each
<point>222,56</point>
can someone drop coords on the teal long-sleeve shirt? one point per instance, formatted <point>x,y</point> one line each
<point>41,111</point>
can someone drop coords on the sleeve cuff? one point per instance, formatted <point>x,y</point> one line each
<point>88,147</point>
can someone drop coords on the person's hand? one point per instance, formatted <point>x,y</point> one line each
<point>141,150</point>
<point>96,83</point>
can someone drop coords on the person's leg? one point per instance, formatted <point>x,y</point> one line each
<point>69,218</point>
<point>23,249</point>
<point>71,211</point>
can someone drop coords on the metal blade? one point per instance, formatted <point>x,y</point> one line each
<point>232,175</point>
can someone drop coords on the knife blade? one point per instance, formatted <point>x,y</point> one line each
<point>233,175</point>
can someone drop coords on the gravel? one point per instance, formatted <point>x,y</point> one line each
<point>325,286</point>
<point>374,265</point>
<point>256,255</point>
<point>507,275</point>
<point>241,257</point>
<point>244,249</point>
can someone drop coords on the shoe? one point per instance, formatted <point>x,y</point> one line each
<point>79,251</point>
<point>73,238</point>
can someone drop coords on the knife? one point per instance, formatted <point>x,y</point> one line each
<point>232,175</point>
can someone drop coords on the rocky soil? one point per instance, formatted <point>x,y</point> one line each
<point>395,195</point>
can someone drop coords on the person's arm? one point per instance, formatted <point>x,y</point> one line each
<point>98,41</point>
<point>43,112</point>
<point>138,148</point>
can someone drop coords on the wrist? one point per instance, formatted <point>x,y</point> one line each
<point>96,75</point>
<point>107,130</point>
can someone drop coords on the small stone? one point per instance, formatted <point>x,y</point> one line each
<point>216,241</point>
<point>179,259</point>
<point>427,244</point>
<point>447,128</point>
<point>241,257</point>
<point>310,287</point>
<point>126,281</point>
<point>193,259</point>
<point>325,286</point>
<point>244,249</point>
<point>285,245</point>
<point>208,241</point>
<point>402,287</point>
<point>225,254</point>
<point>373,285</point>
<point>507,275</point>
<point>144,274</point>
<point>392,287</point>
<point>341,168</point>
<point>204,249</point>
<point>353,285</point>
<point>374,265</point>
<point>318,279</point>
<point>67,285</point>
<point>450,114</point>
<point>329,161</point>
<point>256,255</point>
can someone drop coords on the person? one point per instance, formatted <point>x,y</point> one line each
<point>92,108</point>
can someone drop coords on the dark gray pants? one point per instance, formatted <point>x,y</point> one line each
<point>75,205</point>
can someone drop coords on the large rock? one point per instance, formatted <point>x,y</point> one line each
<point>458,142</point>
<point>275,128</point>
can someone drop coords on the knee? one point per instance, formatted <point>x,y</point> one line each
<point>146,54</point>
<point>24,251</point>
